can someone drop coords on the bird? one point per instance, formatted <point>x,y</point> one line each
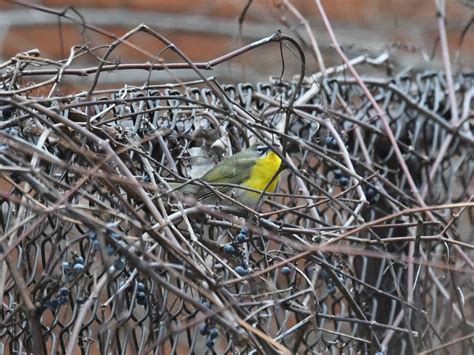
<point>255,168</point>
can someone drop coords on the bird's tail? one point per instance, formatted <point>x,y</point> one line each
<point>183,188</point>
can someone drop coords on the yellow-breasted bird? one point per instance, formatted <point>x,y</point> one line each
<point>253,168</point>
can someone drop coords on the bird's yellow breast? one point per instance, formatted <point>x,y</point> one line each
<point>263,172</point>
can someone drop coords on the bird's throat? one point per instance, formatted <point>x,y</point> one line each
<point>263,172</point>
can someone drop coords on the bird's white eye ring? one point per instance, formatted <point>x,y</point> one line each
<point>262,149</point>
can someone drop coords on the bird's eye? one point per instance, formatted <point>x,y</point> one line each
<point>262,149</point>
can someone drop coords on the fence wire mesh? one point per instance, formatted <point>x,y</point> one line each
<point>98,255</point>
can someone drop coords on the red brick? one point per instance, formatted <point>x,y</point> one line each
<point>224,8</point>
<point>5,5</point>
<point>467,48</point>
<point>379,11</point>
<point>84,3</point>
<point>197,46</point>
<point>45,38</point>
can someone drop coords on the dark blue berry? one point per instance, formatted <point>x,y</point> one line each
<point>338,173</point>
<point>16,177</point>
<point>64,291</point>
<point>213,333</point>
<point>11,131</point>
<point>140,287</point>
<point>204,329</point>
<point>66,266</point>
<point>229,248</point>
<point>7,112</point>
<point>243,231</point>
<point>330,289</point>
<point>79,260</point>
<point>344,181</point>
<point>241,238</point>
<point>210,343</point>
<point>78,267</point>
<point>240,270</point>
<point>119,264</point>
<point>53,304</point>
<point>331,142</point>
<point>370,194</point>
<point>141,298</point>
<point>62,300</point>
<point>285,270</point>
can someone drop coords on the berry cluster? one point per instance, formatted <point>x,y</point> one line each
<point>59,299</point>
<point>209,329</point>
<point>233,248</point>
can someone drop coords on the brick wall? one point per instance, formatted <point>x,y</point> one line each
<point>205,29</point>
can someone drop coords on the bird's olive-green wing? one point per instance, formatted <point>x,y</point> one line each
<point>230,171</point>
<point>234,171</point>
